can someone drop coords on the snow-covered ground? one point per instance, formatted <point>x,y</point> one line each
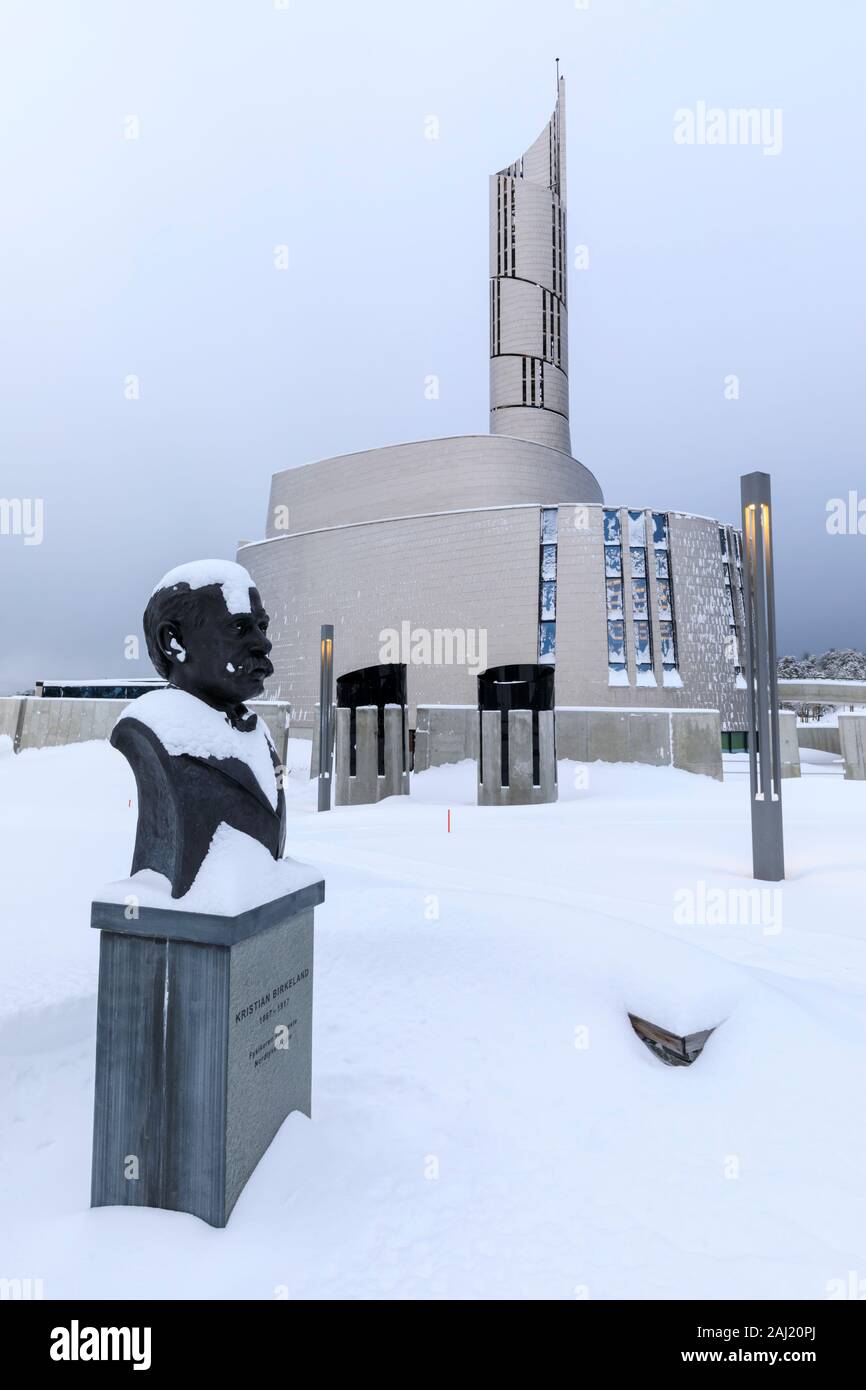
<point>486,1124</point>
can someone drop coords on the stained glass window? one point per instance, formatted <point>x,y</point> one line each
<point>642,646</point>
<point>547,584</point>
<point>548,599</point>
<point>660,529</point>
<point>616,643</point>
<point>546,641</point>
<point>614,598</point>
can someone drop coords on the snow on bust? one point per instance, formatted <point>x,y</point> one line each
<point>236,875</point>
<point>232,578</point>
<point>185,724</point>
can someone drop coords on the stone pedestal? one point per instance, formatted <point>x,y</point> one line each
<point>203,1047</point>
<point>367,783</point>
<point>516,783</point>
<point>852,745</point>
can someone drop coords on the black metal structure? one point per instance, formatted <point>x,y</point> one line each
<point>521,686</point>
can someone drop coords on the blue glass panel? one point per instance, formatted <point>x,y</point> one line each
<point>546,640</point>
<point>660,529</point>
<point>548,599</point>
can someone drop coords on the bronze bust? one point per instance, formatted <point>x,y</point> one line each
<point>201,759</point>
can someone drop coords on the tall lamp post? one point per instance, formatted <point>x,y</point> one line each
<point>326,686</point>
<point>768,854</point>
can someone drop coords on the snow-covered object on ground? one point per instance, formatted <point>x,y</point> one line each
<point>232,578</point>
<point>185,724</point>
<point>238,874</point>
<point>485,1122</point>
<point>6,746</point>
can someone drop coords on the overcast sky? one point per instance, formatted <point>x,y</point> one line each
<point>303,124</point>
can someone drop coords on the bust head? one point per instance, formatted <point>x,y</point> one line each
<point>206,633</point>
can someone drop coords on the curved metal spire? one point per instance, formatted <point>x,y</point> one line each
<point>528,291</point>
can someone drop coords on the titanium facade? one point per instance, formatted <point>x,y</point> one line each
<point>529,291</point>
<point>458,554</point>
<point>473,577</point>
<point>474,470</point>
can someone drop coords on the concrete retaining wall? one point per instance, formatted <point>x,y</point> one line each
<point>852,739</point>
<point>789,747</point>
<point>9,707</point>
<point>445,734</point>
<point>823,692</point>
<point>48,722</point>
<point>687,739</point>
<point>822,737</point>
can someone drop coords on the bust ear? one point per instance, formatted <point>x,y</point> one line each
<point>169,641</point>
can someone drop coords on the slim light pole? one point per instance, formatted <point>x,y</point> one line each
<point>326,685</point>
<point>768,854</point>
